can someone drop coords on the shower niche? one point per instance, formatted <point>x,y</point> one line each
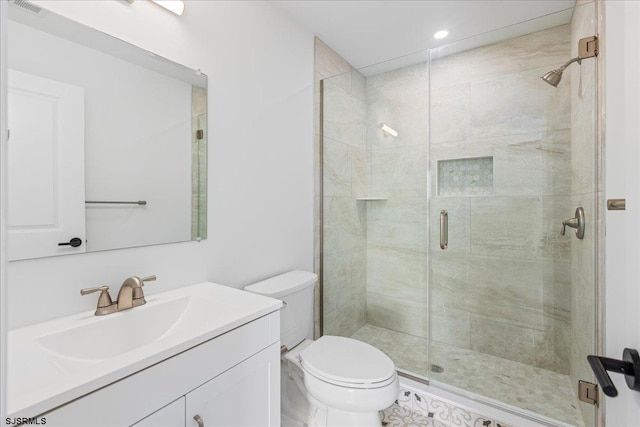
<point>465,177</point>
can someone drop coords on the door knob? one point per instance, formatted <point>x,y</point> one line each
<point>75,242</point>
<point>629,366</point>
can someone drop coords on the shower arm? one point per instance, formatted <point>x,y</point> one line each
<point>569,62</point>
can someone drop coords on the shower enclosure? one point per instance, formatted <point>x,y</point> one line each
<point>446,177</point>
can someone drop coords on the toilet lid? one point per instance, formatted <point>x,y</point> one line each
<point>346,361</point>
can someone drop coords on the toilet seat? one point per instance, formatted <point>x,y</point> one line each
<point>347,362</point>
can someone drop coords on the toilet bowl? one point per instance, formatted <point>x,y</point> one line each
<point>345,382</point>
<point>333,381</point>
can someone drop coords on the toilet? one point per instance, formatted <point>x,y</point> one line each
<point>333,381</point>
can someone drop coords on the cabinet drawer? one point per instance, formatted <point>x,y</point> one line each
<point>171,415</point>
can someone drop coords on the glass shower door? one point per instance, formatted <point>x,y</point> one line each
<point>512,300</point>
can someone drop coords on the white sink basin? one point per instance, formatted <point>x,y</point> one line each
<point>115,334</point>
<point>54,362</point>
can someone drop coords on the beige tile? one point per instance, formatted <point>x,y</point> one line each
<point>521,385</point>
<point>397,272</point>
<point>450,326</point>
<point>398,223</point>
<point>327,62</point>
<point>344,226</point>
<point>347,320</point>
<point>519,227</point>
<point>499,108</point>
<point>359,173</point>
<point>512,291</point>
<point>400,100</point>
<point>398,314</point>
<point>345,212</point>
<point>400,86</point>
<point>396,234</point>
<point>344,116</point>
<point>533,164</point>
<point>583,126</point>
<point>359,85</point>
<point>316,165</point>
<point>505,226</point>
<point>410,121</point>
<point>528,164</point>
<point>400,172</point>
<point>556,288</point>
<point>549,48</point>
<point>336,280</point>
<point>408,352</point>
<point>336,170</point>
<point>516,343</point>
<point>450,113</point>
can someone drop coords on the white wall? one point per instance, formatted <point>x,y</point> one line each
<point>260,68</point>
<point>622,288</point>
<point>3,210</point>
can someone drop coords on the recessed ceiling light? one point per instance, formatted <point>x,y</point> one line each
<point>441,34</point>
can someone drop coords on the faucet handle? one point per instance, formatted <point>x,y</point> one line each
<point>151,278</point>
<point>105,305</point>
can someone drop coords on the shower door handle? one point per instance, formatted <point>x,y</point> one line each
<point>444,229</point>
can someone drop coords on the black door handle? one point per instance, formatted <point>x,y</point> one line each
<point>75,242</point>
<point>629,366</point>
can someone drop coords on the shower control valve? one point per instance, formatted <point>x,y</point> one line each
<point>578,223</point>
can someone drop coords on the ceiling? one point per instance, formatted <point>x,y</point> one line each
<point>369,32</point>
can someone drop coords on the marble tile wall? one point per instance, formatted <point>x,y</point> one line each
<point>509,284</point>
<point>585,190</point>
<point>344,179</point>
<point>503,287</point>
<point>397,237</point>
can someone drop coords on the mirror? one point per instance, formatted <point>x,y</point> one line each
<point>107,144</point>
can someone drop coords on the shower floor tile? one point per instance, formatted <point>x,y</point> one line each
<point>534,389</point>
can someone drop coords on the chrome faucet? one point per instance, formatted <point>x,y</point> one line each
<point>130,295</point>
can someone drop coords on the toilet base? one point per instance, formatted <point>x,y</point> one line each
<point>324,416</point>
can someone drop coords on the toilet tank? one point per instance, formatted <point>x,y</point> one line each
<point>295,288</point>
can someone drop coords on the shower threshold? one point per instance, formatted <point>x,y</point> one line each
<point>533,389</point>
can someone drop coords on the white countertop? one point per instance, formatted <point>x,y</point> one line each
<point>40,379</point>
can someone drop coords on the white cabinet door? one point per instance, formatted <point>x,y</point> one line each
<point>46,166</point>
<point>171,415</point>
<point>247,395</point>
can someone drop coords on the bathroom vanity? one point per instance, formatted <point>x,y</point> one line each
<point>201,355</point>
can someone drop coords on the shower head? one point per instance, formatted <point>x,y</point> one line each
<point>554,77</point>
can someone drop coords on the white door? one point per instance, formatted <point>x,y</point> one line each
<point>46,166</point>
<point>622,253</point>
